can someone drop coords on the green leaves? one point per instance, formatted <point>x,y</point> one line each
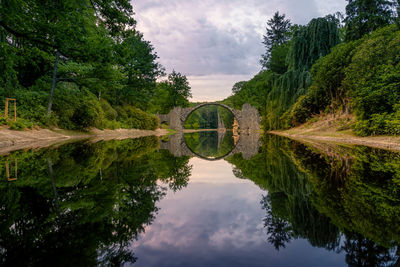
<point>276,35</point>
<point>365,16</point>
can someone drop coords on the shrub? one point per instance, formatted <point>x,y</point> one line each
<point>372,78</point>
<point>109,113</point>
<point>378,124</point>
<point>31,105</point>
<point>88,114</point>
<point>20,124</point>
<point>121,113</point>
<point>138,119</point>
<point>301,110</point>
<point>3,121</point>
<point>112,124</point>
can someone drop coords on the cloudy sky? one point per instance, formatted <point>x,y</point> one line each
<point>216,43</point>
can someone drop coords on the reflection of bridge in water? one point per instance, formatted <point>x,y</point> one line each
<point>248,144</point>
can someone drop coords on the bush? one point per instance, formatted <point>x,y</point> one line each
<point>75,108</point>
<point>378,124</point>
<point>139,119</point>
<point>32,105</point>
<point>112,125</point>
<point>121,113</point>
<point>109,113</point>
<point>20,124</point>
<point>373,77</point>
<point>301,110</point>
<point>88,114</point>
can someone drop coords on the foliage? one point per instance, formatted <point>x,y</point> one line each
<point>274,92</point>
<point>210,144</point>
<point>79,110</point>
<point>365,16</point>
<point>277,62</point>
<point>373,76</point>
<point>327,89</point>
<point>84,203</point>
<point>88,52</point>
<point>329,195</point>
<point>20,124</point>
<point>360,76</point>
<point>313,41</point>
<point>138,62</point>
<point>276,35</point>
<point>253,92</point>
<point>174,92</point>
<point>179,89</point>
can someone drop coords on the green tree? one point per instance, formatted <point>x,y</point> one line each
<point>179,89</point>
<point>365,16</point>
<point>276,34</point>
<point>237,87</point>
<point>277,62</point>
<point>139,64</point>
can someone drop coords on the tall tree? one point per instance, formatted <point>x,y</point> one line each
<point>365,16</point>
<point>139,63</point>
<point>179,89</point>
<point>276,35</point>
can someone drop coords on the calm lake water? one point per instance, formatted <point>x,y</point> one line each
<point>202,199</point>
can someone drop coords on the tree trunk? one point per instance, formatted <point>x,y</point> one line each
<point>53,84</point>
<point>53,183</point>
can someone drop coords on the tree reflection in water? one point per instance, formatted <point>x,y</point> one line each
<point>210,144</point>
<point>339,198</point>
<point>83,204</point>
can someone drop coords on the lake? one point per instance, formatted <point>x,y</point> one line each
<point>200,199</point>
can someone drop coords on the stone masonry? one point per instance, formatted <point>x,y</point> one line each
<point>248,118</point>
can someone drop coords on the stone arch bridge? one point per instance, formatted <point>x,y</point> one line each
<point>248,118</point>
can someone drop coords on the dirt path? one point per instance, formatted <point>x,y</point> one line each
<point>15,140</point>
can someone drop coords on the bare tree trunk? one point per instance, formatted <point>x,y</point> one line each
<point>53,84</point>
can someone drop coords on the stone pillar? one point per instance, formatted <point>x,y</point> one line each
<point>250,120</point>
<point>175,121</point>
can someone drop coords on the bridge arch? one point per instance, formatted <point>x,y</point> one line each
<point>192,153</point>
<point>190,111</point>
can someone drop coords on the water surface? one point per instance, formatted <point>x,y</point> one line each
<point>200,200</point>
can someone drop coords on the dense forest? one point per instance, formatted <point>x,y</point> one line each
<point>82,64</point>
<point>339,64</point>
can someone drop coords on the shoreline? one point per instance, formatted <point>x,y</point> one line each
<point>381,142</point>
<point>11,140</point>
